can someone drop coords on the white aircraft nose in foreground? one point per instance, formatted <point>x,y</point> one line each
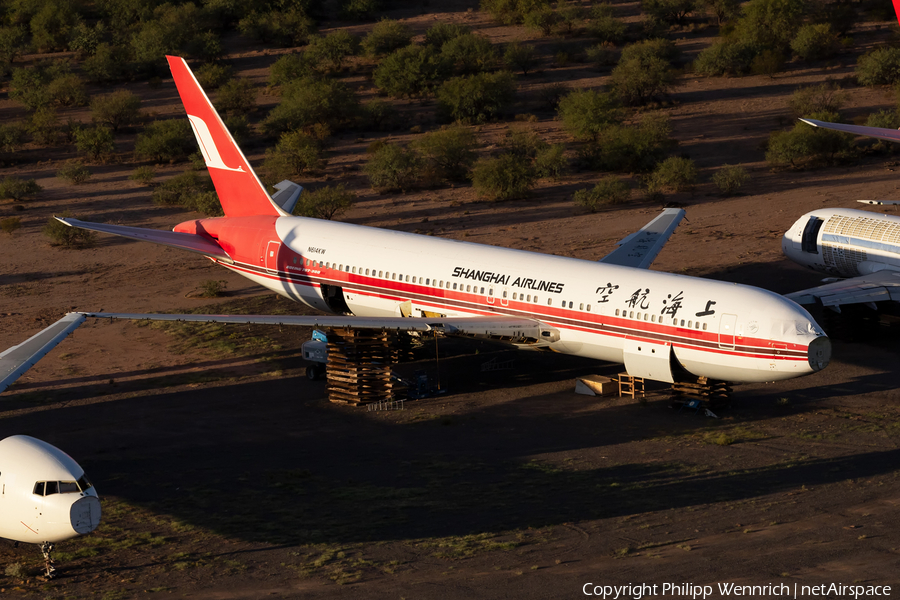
<point>44,496</point>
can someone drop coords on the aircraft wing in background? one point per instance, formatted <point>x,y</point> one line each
<point>641,247</point>
<point>876,287</point>
<point>892,135</point>
<point>18,359</point>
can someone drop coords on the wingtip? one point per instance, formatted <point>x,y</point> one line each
<point>812,122</point>
<point>63,221</point>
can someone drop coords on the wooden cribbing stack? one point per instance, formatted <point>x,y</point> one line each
<point>360,365</point>
<point>709,391</point>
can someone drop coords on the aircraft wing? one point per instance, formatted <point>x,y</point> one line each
<point>641,247</point>
<point>18,359</point>
<point>892,135</point>
<point>882,285</point>
<point>176,239</point>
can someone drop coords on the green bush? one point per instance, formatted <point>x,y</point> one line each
<point>67,90</point>
<point>108,64</point>
<point>212,75</point>
<point>28,87</point>
<point>10,224</point>
<point>143,175</point>
<point>43,124</point>
<point>722,10</point>
<point>571,15</point>
<point>551,162</point>
<point>814,42</point>
<point>805,145</point>
<point>469,54</point>
<point>236,96</point>
<point>879,67</point>
<point>823,97</point>
<point>505,177</point>
<point>12,135</point>
<point>379,115</point>
<point>394,168</point>
<point>673,12</point>
<point>74,172</point>
<point>726,57</point>
<point>521,57</point>
<point>95,143</point>
<point>541,19</point>
<point>511,12</point>
<point>12,45</point>
<point>386,36</point>
<point>630,148</point>
<point>239,127</point>
<point>291,67</point>
<point>609,191</point>
<point>674,174</point>
<point>585,113</point>
<point>165,141</point>
<point>884,119</point>
<point>768,62</point>
<point>358,10</point>
<point>411,71</point>
<point>116,109</point>
<point>450,151</point>
<point>476,98</point>
<point>637,79</point>
<point>524,143</point>
<point>312,101</point>
<point>51,25</point>
<point>213,288</point>
<point>441,33</point>
<point>605,27</point>
<point>729,179</point>
<point>297,153</point>
<point>17,189</point>
<point>770,24</point>
<point>333,48</point>
<point>281,28</point>
<point>61,234</point>
<point>325,203</point>
<point>660,48</point>
<point>206,203</point>
<point>602,55</point>
<point>182,190</point>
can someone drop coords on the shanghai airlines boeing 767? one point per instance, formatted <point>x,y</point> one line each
<point>662,326</point>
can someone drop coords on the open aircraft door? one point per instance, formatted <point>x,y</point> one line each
<point>648,359</point>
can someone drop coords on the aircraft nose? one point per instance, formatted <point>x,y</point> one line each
<point>85,514</point>
<point>819,353</point>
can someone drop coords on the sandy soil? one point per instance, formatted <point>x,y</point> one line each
<point>226,474</point>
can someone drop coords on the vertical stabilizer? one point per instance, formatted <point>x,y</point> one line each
<point>240,190</point>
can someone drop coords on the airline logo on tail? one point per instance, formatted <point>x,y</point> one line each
<point>208,146</point>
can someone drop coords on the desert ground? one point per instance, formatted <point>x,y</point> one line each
<point>225,473</point>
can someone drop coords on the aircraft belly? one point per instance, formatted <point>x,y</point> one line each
<point>745,369</point>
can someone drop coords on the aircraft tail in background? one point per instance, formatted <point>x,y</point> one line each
<point>239,189</point>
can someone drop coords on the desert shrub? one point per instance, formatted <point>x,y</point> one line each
<point>674,174</point>
<point>297,153</point>
<point>116,109</point>
<point>184,29</point>
<point>281,28</point>
<point>43,125</point>
<point>12,135</point>
<point>551,162</point>
<point>542,19</point>
<point>823,97</point>
<point>378,114</point>
<point>107,64</point>
<point>440,33</point>
<point>638,79</point>
<point>170,141</point>
<point>585,113</point>
<point>729,179</point>
<point>768,62</point>
<point>12,44</point>
<point>206,203</point>
<point>476,98</point>
<point>411,71</point>
<point>213,288</point>
<point>28,86</point>
<point>450,151</point>
<point>311,101</point>
<point>604,26</point>
<point>504,177</point>
<point>879,67</point>
<point>511,12</point>
<point>74,172</point>
<point>291,67</point>
<point>143,175</point>
<point>51,25</point>
<point>95,143</point>
<point>884,119</point>
<point>813,42</point>
<point>85,39</point>
<point>521,57</point>
<point>602,55</point>
<point>236,96</point>
<point>212,75</point>
<point>18,189</point>
<point>67,90</point>
<point>17,571</point>
<point>334,48</point>
<point>552,94</point>
<point>805,145</point>
<point>238,126</point>
<point>386,36</point>
<point>523,143</point>
<point>673,12</point>
<point>358,10</point>
<point>571,15</point>
<point>191,190</point>
<point>726,57</point>
<point>609,191</point>
<point>770,24</point>
<point>721,10</point>
<point>325,203</point>
<point>394,168</point>
<point>630,148</point>
<point>660,48</point>
<point>10,224</point>
<point>63,235</point>
<point>469,53</point>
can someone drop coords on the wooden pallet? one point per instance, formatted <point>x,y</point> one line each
<point>708,391</point>
<point>360,366</point>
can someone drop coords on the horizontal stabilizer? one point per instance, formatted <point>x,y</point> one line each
<point>892,135</point>
<point>185,241</point>
<point>18,359</point>
<point>885,202</point>
<point>287,195</point>
<point>641,247</point>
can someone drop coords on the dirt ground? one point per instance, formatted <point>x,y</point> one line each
<point>225,473</point>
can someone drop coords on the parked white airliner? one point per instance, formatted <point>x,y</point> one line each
<point>44,495</point>
<point>660,325</point>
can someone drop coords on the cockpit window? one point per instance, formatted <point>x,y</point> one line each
<point>48,488</point>
<point>84,484</point>
<point>39,488</point>
<point>52,488</point>
<point>68,487</point>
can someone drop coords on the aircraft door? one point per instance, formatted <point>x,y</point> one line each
<point>271,258</point>
<point>726,330</point>
<point>808,243</point>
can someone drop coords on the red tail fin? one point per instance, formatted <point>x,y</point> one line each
<point>240,190</point>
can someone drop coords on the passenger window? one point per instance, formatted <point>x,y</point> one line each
<point>689,324</point>
<point>631,316</point>
<point>697,325</point>
<point>468,288</point>
<point>482,290</point>
<point>454,286</point>
<point>646,316</point>
<point>617,312</point>
<point>353,270</point>
<point>380,274</point>
<point>514,295</point>
<point>589,308</point>
<point>528,299</point>
<point>407,279</point>
<point>414,278</point>
<point>327,265</point>
<point>581,306</point>
<point>340,267</point>
<point>490,291</point>
<point>39,488</point>
<point>639,317</point>
<point>653,319</point>
<point>704,327</point>
<point>441,284</point>
<point>682,322</point>
<point>394,276</point>
<point>428,281</point>
<point>504,293</point>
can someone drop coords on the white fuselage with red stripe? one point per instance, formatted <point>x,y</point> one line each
<point>715,329</point>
